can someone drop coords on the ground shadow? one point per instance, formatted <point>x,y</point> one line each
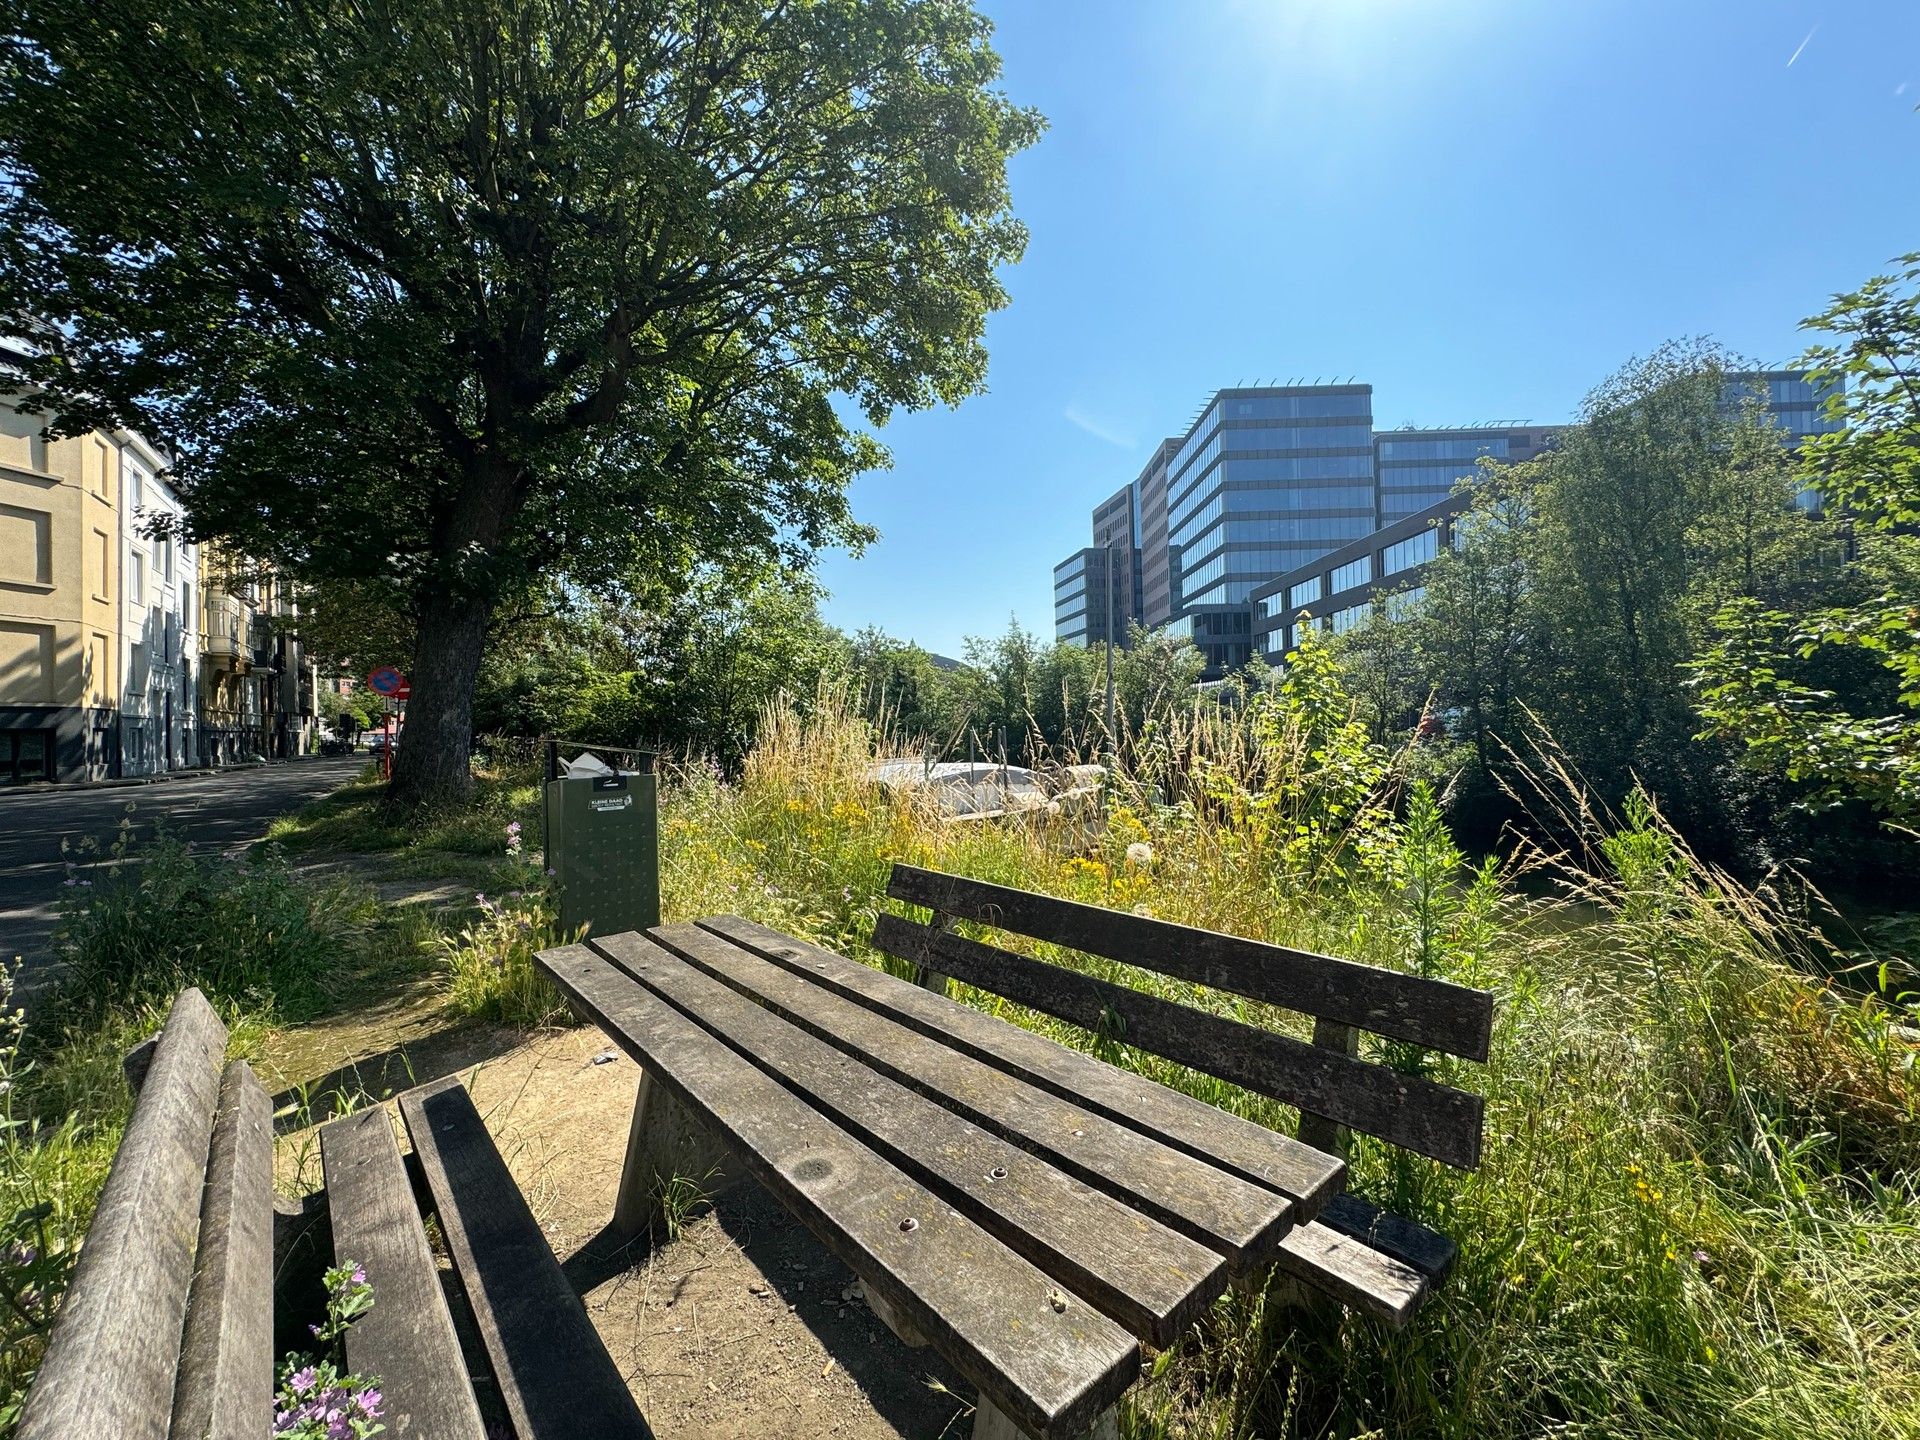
<point>381,1076</point>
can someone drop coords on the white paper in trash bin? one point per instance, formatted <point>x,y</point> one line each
<point>587,766</point>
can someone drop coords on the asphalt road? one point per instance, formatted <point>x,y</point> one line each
<point>213,811</point>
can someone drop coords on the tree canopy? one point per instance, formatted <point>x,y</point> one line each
<point>1786,681</point>
<point>458,297</point>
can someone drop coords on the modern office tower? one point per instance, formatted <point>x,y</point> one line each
<point>1281,489</point>
<point>1419,468</point>
<point>1794,403</point>
<point>1158,600</point>
<point>1265,480</point>
<point>1116,529</point>
<point>1080,597</point>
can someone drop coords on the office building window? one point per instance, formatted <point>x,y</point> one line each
<point>1345,620</point>
<point>1354,572</point>
<point>1408,553</point>
<point>1305,593</point>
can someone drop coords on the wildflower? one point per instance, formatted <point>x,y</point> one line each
<point>1701,1257</point>
<point>302,1380</point>
<point>1140,854</point>
<point>22,1255</point>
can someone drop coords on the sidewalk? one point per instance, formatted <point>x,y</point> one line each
<point>127,782</point>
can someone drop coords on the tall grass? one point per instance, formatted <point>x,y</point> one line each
<point>1699,1211</point>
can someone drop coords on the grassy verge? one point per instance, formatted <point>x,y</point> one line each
<point>1699,1212</point>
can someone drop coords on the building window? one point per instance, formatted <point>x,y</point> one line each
<point>103,561</point>
<point>1305,593</point>
<point>25,755</point>
<point>1347,619</point>
<point>137,579</point>
<point>1354,572</point>
<point>1411,552</point>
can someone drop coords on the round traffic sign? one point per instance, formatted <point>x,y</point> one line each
<point>386,680</point>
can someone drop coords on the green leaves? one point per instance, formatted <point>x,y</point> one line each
<point>1768,680</point>
<point>470,296</point>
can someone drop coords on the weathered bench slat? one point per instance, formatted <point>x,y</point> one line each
<point>1151,1279</point>
<point>1434,1013</point>
<point>1352,1272</point>
<point>111,1362</point>
<point>1241,1220</point>
<point>1417,1113</point>
<point>225,1386</point>
<point>1407,1241</point>
<point>553,1372</point>
<point>407,1339</point>
<point>1305,1175</point>
<point>986,1309</point>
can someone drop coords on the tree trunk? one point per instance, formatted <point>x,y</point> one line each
<point>431,765</point>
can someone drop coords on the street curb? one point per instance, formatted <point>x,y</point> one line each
<point>136,782</point>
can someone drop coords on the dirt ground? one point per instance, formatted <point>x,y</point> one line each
<point>742,1326</point>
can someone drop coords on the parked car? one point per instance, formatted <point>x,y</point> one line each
<point>378,742</point>
<point>976,790</point>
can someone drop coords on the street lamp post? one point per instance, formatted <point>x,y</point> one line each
<point>1113,742</point>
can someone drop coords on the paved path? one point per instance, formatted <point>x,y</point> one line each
<point>217,811</point>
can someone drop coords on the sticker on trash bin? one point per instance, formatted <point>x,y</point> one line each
<point>625,802</point>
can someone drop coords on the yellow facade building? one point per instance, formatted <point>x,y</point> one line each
<point>60,589</point>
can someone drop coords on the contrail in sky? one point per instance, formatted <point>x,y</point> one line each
<point>1803,45</point>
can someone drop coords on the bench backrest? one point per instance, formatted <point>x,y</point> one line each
<point>166,1326</point>
<point>1325,1079</point>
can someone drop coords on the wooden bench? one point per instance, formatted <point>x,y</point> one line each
<point>1024,1208</point>
<point>167,1326</point>
<point>1384,1264</point>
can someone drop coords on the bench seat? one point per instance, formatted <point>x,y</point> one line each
<point>167,1327</point>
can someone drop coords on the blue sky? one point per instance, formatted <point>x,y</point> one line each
<point>1480,206</point>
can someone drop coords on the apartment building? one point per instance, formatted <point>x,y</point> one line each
<point>61,523</point>
<point>159,620</point>
<point>114,647</point>
<point>256,686</point>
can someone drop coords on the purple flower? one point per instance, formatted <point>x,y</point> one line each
<point>359,1274</point>
<point>22,1255</point>
<point>513,828</point>
<point>302,1381</point>
<point>370,1400</point>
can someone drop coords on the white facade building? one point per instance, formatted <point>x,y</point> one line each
<point>160,640</point>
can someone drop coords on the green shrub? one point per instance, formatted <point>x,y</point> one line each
<point>139,923</point>
<point>492,972</point>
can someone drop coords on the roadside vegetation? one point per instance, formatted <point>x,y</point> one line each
<point>1700,1209</point>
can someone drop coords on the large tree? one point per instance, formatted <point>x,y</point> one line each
<point>461,296</point>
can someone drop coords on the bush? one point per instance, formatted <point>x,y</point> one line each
<point>493,976</point>
<point>141,923</point>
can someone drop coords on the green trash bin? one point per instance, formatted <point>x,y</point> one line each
<point>603,846</point>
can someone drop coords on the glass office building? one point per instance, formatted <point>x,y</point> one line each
<point>1419,468</point>
<point>1269,481</point>
<point>1264,481</point>
<point>1080,597</point>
